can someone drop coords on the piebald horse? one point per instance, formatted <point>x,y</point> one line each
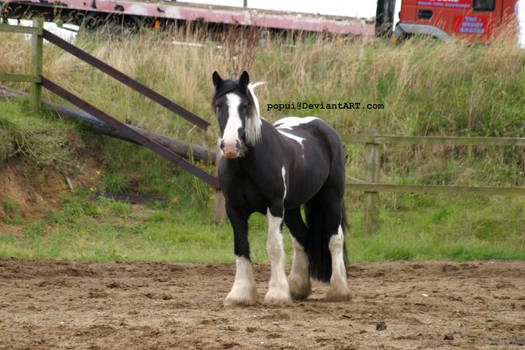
<point>275,170</point>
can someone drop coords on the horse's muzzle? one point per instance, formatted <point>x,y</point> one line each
<point>230,148</point>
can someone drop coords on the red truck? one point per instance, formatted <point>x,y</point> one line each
<point>474,20</point>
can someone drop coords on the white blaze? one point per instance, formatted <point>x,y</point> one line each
<point>234,123</point>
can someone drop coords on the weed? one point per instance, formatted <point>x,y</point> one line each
<point>13,212</point>
<point>115,183</point>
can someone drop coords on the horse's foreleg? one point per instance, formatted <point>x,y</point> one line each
<point>279,290</point>
<point>243,289</point>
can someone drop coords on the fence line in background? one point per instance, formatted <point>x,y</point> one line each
<point>372,187</point>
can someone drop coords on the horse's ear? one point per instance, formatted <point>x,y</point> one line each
<point>244,79</point>
<point>217,80</point>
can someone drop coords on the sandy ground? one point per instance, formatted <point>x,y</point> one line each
<point>133,305</point>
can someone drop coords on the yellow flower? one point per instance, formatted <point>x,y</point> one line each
<point>98,172</point>
<point>92,189</point>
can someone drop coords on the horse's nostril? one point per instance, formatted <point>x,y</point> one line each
<point>237,143</point>
<point>221,145</point>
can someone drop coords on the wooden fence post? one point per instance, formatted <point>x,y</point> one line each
<point>372,164</point>
<point>36,65</point>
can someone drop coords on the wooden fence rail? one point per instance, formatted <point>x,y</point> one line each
<point>372,186</point>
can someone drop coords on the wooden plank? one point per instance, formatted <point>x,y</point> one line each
<point>435,140</point>
<point>37,57</point>
<point>503,191</point>
<point>19,78</point>
<point>131,133</point>
<point>126,80</point>
<point>20,29</point>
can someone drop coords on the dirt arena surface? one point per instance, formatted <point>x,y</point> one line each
<point>133,305</point>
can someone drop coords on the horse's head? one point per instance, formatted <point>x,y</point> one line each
<point>237,110</point>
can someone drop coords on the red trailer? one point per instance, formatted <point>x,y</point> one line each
<point>138,13</point>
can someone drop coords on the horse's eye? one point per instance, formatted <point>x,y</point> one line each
<point>218,108</point>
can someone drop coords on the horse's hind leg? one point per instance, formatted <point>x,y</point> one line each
<point>299,277</point>
<point>278,289</point>
<point>329,204</point>
<point>339,290</point>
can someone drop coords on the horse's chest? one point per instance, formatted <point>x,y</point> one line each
<point>244,192</point>
<point>247,196</point>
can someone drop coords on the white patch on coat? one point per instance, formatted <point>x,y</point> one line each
<point>289,123</point>
<point>278,290</point>
<point>299,277</point>
<point>243,289</point>
<point>293,137</point>
<point>283,173</point>
<point>292,122</point>
<point>338,283</point>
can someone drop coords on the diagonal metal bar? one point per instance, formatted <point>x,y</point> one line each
<point>126,80</point>
<point>130,133</point>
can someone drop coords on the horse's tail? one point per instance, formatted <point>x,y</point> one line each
<point>318,240</point>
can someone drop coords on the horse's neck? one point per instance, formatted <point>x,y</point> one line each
<point>268,145</point>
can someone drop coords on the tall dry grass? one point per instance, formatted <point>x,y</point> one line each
<point>427,87</point>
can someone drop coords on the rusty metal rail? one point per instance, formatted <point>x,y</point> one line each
<point>130,133</point>
<point>126,80</point>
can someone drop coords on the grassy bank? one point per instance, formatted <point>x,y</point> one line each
<point>97,229</point>
<point>426,87</point>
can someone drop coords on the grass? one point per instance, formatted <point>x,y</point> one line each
<point>427,88</point>
<point>41,139</point>
<point>99,229</point>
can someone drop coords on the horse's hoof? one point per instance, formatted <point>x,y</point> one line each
<point>299,288</point>
<point>337,295</point>
<point>277,298</point>
<point>229,302</point>
<point>236,298</point>
<point>237,303</point>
